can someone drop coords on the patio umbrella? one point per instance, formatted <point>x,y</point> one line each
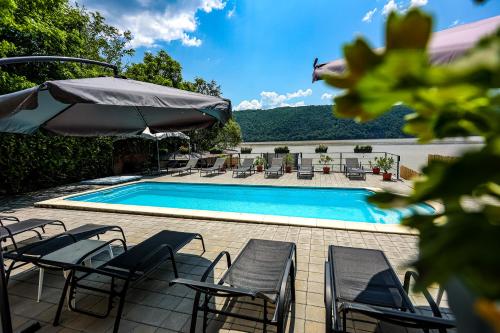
<point>104,106</point>
<point>108,106</point>
<point>444,46</point>
<point>160,136</point>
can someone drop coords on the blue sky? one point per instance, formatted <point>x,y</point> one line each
<point>261,51</point>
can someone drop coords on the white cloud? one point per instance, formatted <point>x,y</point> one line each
<point>271,100</point>
<point>151,22</point>
<point>300,93</point>
<point>454,23</point>
<point>390,6</point>
<point>418,3</point>
<point>248,105</point>
<point>326,96</point>
<point>369,15</point>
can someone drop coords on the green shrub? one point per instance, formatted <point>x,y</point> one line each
<point>321,149</point>
<point>384,163</point>
<point>325,159</point>
<point>184,149</point>
<point>363,149</point>
<point>281,150</point>
<point>39,161</point>
<point>259,160</point>
<point>246,150</point>
<point>216,150</point>
<point>288,159</point>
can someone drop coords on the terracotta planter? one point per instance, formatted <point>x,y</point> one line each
<point>260,168</point>
<point>387,176</point>
<point>288,169</point>
<point>326,170</point>
<point>376,170</point>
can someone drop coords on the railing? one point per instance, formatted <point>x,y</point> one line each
<point>338,159</point>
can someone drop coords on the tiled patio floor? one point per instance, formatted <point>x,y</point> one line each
<point>154,306</point>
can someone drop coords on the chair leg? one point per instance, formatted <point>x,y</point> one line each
<point>61,300</point>
<point>194,314</point>
<point>120,307</point>
<point>40,284</point>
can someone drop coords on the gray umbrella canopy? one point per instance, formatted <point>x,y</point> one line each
<point>444,46</point>
<point>108,106</point>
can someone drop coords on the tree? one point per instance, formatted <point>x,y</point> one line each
<point>159,69</point>
<point>203,87</point>
<point>40,27</point>
<point>229,136</point>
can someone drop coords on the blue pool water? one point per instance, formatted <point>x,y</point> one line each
<point>325,203</point>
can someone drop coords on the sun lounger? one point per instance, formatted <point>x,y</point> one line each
<point>217,167</point>
<point>191,164</point>
<point>39,253</point>
<point>264,269</point>
<point>353,168</point>
<point>362,281</point>
<point>246,166</point>
<point>16,227</point>
<point>130,266</point>
<point>275,168</point>
<point>306,168</point>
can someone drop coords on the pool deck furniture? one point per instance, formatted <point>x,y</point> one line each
<point>354,169</point>
<point>246,166</point>
<point>132,265</point>
<point>264,270</point>
<point>40,253</point>
<point>362,281</point>
<point>306,168</point>
<point>16,227</point>
<point>191,164</point>
<point>275,168</point>
<point>112,180</point>
<point>216,168</point>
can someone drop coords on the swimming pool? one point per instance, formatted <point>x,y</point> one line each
<point>310,202</point>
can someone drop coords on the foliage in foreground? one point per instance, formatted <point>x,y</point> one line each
<point>455,100</point>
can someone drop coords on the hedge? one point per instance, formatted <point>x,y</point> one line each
<point>30,163</point>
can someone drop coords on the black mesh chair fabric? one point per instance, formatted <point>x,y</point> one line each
<point>23,226</point>
<point>260,267</point>
<point>135,257</point>
<point>365,276</point>
<point>44,247</point>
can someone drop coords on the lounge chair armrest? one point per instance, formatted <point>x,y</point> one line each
<point>103,245</point>
<point>409,319</point>
<point>214,289</point>
<point>152,254</point>
<point>434,307</point>
<point>330,305</point>
<point>8,218</point>
<point>214,263</point>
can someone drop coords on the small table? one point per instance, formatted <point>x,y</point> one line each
<point>73,254</point>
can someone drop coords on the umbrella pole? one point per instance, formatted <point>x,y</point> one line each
<point>158,156</point>
<point>4,299</point>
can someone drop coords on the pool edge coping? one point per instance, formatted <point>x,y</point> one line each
<point>62,203</point>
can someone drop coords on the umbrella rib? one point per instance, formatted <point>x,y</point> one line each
<point>142,117</point>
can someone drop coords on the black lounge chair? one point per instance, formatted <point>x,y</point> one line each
<point>264,269</point>
<point>306,168</point>
<point>216,168</point>
<point>33,253</point>
<point>246,166</point>
<point>130,266</point>
<point>16,227</point>
<point>191,164</point>
<point>275,168</point>
<point>362,281</point>
<point>353,168</point>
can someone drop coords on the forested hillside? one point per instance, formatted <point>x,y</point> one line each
<point>315,122</point>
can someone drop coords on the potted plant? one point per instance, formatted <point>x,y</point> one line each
<point>246,150</point>
<point>281,150</point>
<point>259,163</point>
<point>325,159</point>
<point>385,163</point>
<point>374,167</point>
<point>288,159</point>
